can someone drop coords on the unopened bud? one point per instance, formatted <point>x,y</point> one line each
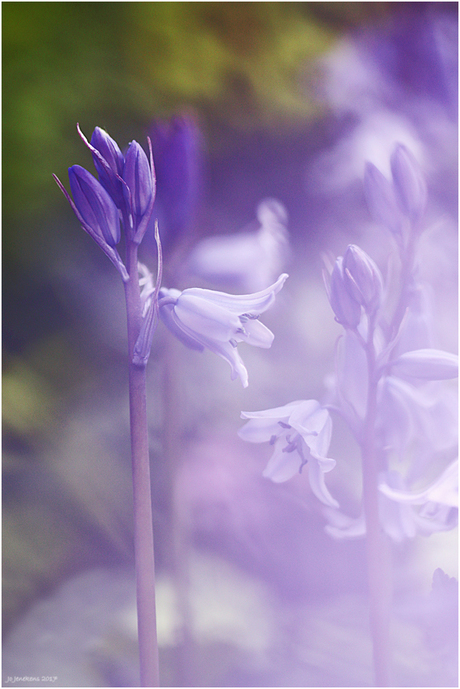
<point>409,183</point>
<point>344,305</point>
<point>362,278</point>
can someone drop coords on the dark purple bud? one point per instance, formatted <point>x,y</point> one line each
<point>111,170</point>
<point>347,310</point>
<point>140,188</point>
<point>362,278</point>
<point>409,183</point>
<point>96,210</point>
<point>381,199</point>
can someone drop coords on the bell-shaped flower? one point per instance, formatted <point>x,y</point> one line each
<point>96,212</point>
<point>203,318</point>
<point>398,515</point>
<point>139,189</point>
<point>362,278</point>
<point>300,433</point>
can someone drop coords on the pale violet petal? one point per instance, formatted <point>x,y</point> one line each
<point>255,333</point>
<point>260,430</point>
<point>171,321</point>
<point>317,483</point>
<point>282,465</point>
<point>206,318</point>
<point>240,304</point>
<point>443,491</point>
<point>427,364</point>
<point>279,413</point>
<point>342,526</point>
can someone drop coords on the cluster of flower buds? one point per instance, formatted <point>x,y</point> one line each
<point>390,383</point>
<point>124,191</point>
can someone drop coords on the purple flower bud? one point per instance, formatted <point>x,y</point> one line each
<point>362,278</point>
<point>140,189</point>
<point>381,199</point>
<point>344,305</point>
<point>109,174</point>
<point>409,183</point>
<point>96,210</point>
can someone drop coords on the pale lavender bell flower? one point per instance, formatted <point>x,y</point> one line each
<point>207,319</point>
<point>300,433</point>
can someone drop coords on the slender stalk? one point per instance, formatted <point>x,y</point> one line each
<point>142,500</point>
<point>377,546</point>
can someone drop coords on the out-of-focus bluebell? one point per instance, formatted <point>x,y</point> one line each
<point>203,318</point>
<point>96,211</point>
<point>444,490</point>
<point>178,150</point>
<point>399,516</point>
<point>409,183</point>
<point>301,433</point>
<point>246,260</point>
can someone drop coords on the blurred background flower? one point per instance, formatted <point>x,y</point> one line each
<point>244,102</point>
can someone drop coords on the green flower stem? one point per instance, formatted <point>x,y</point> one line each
<point>142,500</point>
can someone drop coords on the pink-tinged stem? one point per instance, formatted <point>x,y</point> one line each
<point>143,522</point>
<point>377,545</point>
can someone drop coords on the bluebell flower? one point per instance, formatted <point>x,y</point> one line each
<point>399,516</point>
<point>246,260</point>
<point>96,211</point>
<point>301,434</point>
<point>217,321</point>
<point>443,491</point>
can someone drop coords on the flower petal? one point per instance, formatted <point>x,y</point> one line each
<point>282,465</point>
<point>428,364</point>
<point>443,491</point>
<point>207,318</point>
<point>256,334</point>
<point>252,304</point>
<point>316,478</point>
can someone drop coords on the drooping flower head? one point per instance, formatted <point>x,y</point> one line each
<point>301,434</point>
<point>206,319</point>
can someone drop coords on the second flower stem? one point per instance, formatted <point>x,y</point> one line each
<point>377,546</point>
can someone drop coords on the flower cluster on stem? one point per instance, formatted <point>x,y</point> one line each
<point>389,391</point>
